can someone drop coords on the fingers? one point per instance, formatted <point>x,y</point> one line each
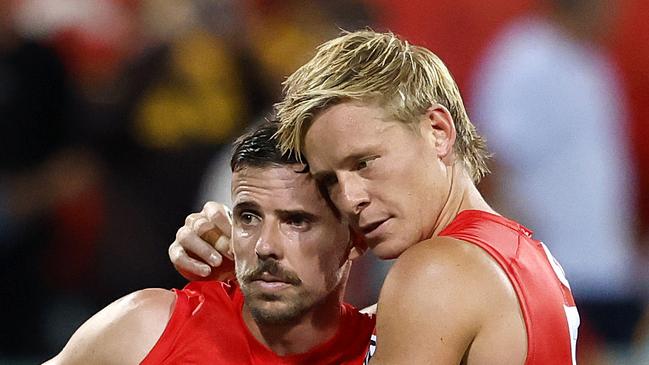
<point>187,266</point>
<point>219,215</point>
<point>213,215</point>
<point>219,241</point>
<point>224,245</point>
<point>192,243</point>
<point>202,242</point>
<point>199,223</point>
<point>214,224</point>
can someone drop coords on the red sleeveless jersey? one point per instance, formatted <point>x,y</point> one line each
<point>543,292</point>
<point>206,327</point>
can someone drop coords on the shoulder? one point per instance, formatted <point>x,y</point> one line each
<point>123,332</point>
<point>445,281</point>
<point>441,257</point>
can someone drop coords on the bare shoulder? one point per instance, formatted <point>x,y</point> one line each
<point>464,271</point>
<point>444,257</point>
<point>123,332</point>
<point>439,295</point>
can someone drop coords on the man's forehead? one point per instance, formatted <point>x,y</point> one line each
<point>277,181</point>
<point>345,132</point>
<point>283,174</point>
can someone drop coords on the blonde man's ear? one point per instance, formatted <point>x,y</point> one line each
<point>438,125</point>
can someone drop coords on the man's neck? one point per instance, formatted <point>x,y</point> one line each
<point>463,195</point>
<point>310,330</point>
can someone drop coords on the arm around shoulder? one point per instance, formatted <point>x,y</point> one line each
<point>122,333</point>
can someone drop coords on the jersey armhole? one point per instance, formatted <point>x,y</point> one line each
<point>181,311</point>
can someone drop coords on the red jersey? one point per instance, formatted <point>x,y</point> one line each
<point>206,327</point>
<point>549,311</point>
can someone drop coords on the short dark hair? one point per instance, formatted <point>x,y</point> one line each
<point>259,148</point>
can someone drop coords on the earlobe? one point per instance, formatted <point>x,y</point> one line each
<point>440,129</point>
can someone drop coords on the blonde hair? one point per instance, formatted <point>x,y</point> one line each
<point>378,68</point>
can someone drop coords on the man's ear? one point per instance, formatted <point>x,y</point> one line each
<point>358,245</point>
<point>438,128</point>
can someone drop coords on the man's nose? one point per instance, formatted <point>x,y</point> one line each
<point>352,197</point>
<point>269,244</point>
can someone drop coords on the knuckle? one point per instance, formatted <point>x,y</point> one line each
<point>188,220</point>
<point>179,233</point>
<point>191,218</point>
<point>199,224</point>
<point>214,209</point>
<point>175,251</point>
<point>182,234</point>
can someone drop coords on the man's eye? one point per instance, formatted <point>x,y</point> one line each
<point>365,163</point>
<point>248,218</point>
<point>298,222</point>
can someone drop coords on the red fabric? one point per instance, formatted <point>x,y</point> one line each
<point>70,261</point>
<point>206,327</point>
<point>541,295</point>
<point>630,45</point>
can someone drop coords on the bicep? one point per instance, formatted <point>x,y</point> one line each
<point>122,333</point>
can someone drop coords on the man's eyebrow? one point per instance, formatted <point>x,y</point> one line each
<point>329,176</point>
<point>245,205</point>
<point>288,213</point>
<point>355,157</point>
<point>346,162</point>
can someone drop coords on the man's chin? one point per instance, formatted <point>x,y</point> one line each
<point>274,312</point>
<point>388,249</point>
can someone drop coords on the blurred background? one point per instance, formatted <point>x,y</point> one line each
<point>116,118</point>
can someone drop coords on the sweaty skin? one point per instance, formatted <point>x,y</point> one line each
<point>280,217</point>
<point>445,301</point>
<point>122,333</point>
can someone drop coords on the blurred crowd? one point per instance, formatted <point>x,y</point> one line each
<point>116,118</point>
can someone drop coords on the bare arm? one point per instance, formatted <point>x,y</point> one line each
<point>122,333</point>
<point>446,302</point>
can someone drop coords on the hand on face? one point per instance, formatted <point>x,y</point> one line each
<point>202,249</point>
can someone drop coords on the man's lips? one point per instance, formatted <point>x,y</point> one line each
<point>270,282</point>
<point>271,285</point>
<point>369,228</point>
<point>268,278</point>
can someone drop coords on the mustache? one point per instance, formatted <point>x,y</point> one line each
<point>272,267</point>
